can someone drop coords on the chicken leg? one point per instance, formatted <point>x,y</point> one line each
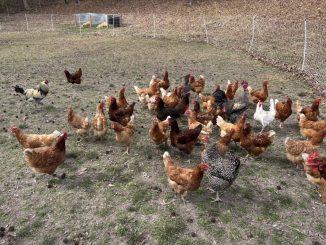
<point>217,198</point>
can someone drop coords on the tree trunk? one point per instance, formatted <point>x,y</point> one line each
<point>26,5</point>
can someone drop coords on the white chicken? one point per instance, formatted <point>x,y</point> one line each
<point>265,117</point>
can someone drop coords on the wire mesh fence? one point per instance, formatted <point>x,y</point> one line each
<point>294,45</point>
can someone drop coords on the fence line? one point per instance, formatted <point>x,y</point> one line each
<point>293,45</point>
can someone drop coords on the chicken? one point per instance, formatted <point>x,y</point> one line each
<point>220,98</point>
<point>231,89</point>
<point>204,117</point>
<point>193,123</point>
<point>222,171</point>
<point>265,117</point>
<point>159,131</point>
<point>311,112</point>
<point>120,115</point>
<point>37,94</point>
<point>172,99</point>
<point>34,140</point>
<point>164,83</point>
<point>295,148</point>
<point>283,110</point>
<point>151,104</point>
<point>74,77</point>
<point>122,102</point>
<point>162,112</point>
<point>46,159</point>
<point>150,91</point>
<point>205,98</point>
<point>315,169</point>
<point>223,143</point>
<point>99,122</point>
<point>197,85</point>
<point>124,133</point>
<point>255,144</point>
<point>240,104</point>
<point>259,95</point>
<point>310,128</point>
<point>183,105</point>
<point>181,179</point>
<point>184,140</point>
<point>225,126</point>
<point>81,124</point>
<point>102,25</point>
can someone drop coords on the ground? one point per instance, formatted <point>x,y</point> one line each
<point>125,199</point>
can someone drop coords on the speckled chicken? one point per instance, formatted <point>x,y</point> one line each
<point>222,171</point>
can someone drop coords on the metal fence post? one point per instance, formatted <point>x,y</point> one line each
<point>52,27</point>
<point>206,32</point>
<point>253,33</point>
<point>154,25</point>
<point>26,22</point>
<point>305,45</point>
<point>80,27</point>
<point>113,25</point>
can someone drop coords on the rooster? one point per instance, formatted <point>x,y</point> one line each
<point>181,179</point>
<point>222,171</point>
<point>37,94</point>
<point>74,77</point>
<point>265,117</point>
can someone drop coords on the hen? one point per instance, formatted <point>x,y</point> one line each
<point>159,131</point>
<point>295,148</point>
<point>283,110</point>
<point>184,140</point>
<point>122,101</point>
<point>315,168</point>
<point>197,85</point>
<point>99,122</point>
<point>311,112</point>
<point>35,140</point>
<point>150,91</point>
<point>181,179</point>
<point>225,126</point>
<point>46,159</point>
<point>37,94</point>
<point>124,133</point>
<point>240,104</point>
<point>162,112</point>
<point>74,77</point>
<point>255,144</point>
<point>171,99</point>
<point>81,124</point>
<point>120,115</point>
<point>164,83</point>
<point>193,123</point>
<point>151,102</point>
<point>223,143</point>
<point>265,117</point>
<point>231,89</point>
<point>222,171</point>
<point>310,128</point>
<point>259,95</point>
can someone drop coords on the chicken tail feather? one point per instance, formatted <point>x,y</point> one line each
<point>19,89</point>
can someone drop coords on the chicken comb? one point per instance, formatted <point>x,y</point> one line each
<point>312,157</point>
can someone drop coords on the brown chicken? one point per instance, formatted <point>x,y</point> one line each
<point>295,148</point>
<point>159,131</point>
<point>255,144</point>
<point>311,112</point>
<point>231,89</point>
<point>81,124</point>
<point>46,159</point>
<point>172,99</point>
<point>99,122</point>
<point>259,95</point>
<point>150,91</point>
<point>181,179</point>
<point>193,123</point>
<point>203,117</point>
<point>315,168</point>
<point>197,85</point>
<point>120,115</point>
<point>124,133</point>
<point>164,83</point>
<point>35,140</point>
<point>283,110</point>
<point>310,128</point>
<point>74,77</point>
<point>205,98</point>
<point>225,126</point>
<point>184,140</point>
<point>223,143</point>
<point>121,101</point>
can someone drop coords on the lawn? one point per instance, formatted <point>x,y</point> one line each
<point>112,198</point>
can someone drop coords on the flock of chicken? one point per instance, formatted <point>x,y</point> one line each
<point>226,109</point>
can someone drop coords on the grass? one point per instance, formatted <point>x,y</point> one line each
<point>108,196</point>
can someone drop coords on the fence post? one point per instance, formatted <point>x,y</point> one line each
<point>113,25</point>
<point>154,25</point>
<point>253,33</point>
<point>206,33</point>
<point>26,22</point>
<point>52,27</point>
<point>80,27</point>
<point>305,45</point>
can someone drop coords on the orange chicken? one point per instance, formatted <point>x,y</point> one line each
<point>81,124</point>
<point>159,131</point>
<point>259,95</point>
<point>123,134</point>
<point>99,122</point>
